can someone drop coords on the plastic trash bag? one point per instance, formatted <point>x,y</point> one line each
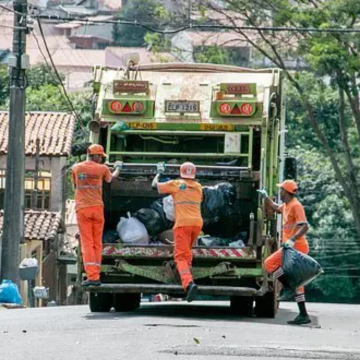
<point>28,263</point>
<point>158,206</point>
<point>218,202</point>
<point>151,219</point>
<point>300,269</point>
<point>9,293</point>
<point>132,231</point>
<point>110,237</point>
<point>167,237</point>
<point>169,209</point>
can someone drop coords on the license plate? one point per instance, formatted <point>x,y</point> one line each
<point>182,106</point>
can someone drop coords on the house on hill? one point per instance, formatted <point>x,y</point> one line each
<point>48,138</point>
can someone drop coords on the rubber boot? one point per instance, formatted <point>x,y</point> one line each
<point>88,282</point>
<point>191,291</point>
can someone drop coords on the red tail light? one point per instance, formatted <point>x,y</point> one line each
<point>246,109</point>
<point>127,108</point>
<point>115,106</point>
<point>225,108</point>
<point>236,110</point>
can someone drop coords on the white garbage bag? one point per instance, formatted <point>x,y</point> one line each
<point>168,203</point>
<point>132,231</point>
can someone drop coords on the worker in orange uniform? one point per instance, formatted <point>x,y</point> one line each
<point>187,195</point>
<point>294,225</point>
<point>88,177</point>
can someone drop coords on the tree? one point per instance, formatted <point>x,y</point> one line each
<point>333,56</point>
<point>143,11</point>
<point>332,234</point>
<point>44,93</point>
<point>211,54</point>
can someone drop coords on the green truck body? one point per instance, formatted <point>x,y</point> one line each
<point>230,122</point>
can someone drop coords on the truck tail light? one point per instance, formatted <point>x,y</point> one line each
<point>246,109</point>
<point>236,110</point>
<point>137,106</point>
<point>115,106</point>
<point>127,108</point>
<point>225,108</point>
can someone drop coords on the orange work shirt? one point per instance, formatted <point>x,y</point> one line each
<point>88,179</point>
<point>293,216</point>
<point>187,195</point>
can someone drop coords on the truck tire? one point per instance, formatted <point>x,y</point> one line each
<point>266,306</point>
<point>241,305</point>
<point>100,302</point>
<point>126,302</point>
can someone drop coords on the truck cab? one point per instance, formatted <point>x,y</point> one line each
<point>229,122</point>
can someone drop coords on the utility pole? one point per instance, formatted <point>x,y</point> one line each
<point>13,225</point>
<point>34,195</point>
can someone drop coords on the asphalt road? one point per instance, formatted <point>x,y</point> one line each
<point>201,330</point>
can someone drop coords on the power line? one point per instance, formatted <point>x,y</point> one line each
<point>152,27</point>
<point>59,77</point>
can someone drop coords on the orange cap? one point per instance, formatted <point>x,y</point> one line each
<point>96,149</point>
<point>289,185</point>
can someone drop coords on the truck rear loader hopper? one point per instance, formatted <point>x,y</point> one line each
<point>195,112</point>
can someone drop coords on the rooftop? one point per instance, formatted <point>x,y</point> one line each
<point>54,129</point>
<point>39,225</point>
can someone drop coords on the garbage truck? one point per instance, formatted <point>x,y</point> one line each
<point>230,122</point>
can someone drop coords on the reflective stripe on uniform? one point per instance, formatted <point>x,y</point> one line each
<point>187,271</point>
<point>300,298</point>
<point>92,264</point>
<point>293,226</point>
<point>88,187</point>
<point>187,203</point>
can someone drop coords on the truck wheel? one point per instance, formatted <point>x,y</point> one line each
<point>126,302</point>
<point>266,306</point>
<point>100,302</point>
<point>241,305</point>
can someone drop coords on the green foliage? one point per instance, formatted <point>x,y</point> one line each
<point>45,94</point>
<point>157,42</point>
<point>4,84</point>
<point>324,100</point>
<point>41,88</point>
<point>332,234</point>
<point>144,11</point>
<point>211,54</point>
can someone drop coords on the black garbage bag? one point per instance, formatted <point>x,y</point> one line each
<point>158,206</point>
<point>218,202</point>
<point>300,269</point>
<point>110,237</point>
<point>153,221</point>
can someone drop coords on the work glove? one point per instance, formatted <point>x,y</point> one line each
<point>263,193</point>
<point>118,165</point>
<point>289,243</point>
<point>160,167</point>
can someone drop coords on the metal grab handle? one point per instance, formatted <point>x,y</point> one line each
<point>176,166</point>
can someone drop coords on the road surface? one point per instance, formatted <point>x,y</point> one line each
<point>201,330</point>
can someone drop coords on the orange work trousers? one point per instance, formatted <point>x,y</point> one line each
<point>91,225</point>
<point>184,239</point>
<point>274,261</point>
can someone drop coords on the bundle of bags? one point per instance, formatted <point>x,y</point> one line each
<point>155,222</point>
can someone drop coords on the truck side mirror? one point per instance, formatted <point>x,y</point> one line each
<point>290,169</point>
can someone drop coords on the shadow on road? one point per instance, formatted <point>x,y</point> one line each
<point>204,312</point>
